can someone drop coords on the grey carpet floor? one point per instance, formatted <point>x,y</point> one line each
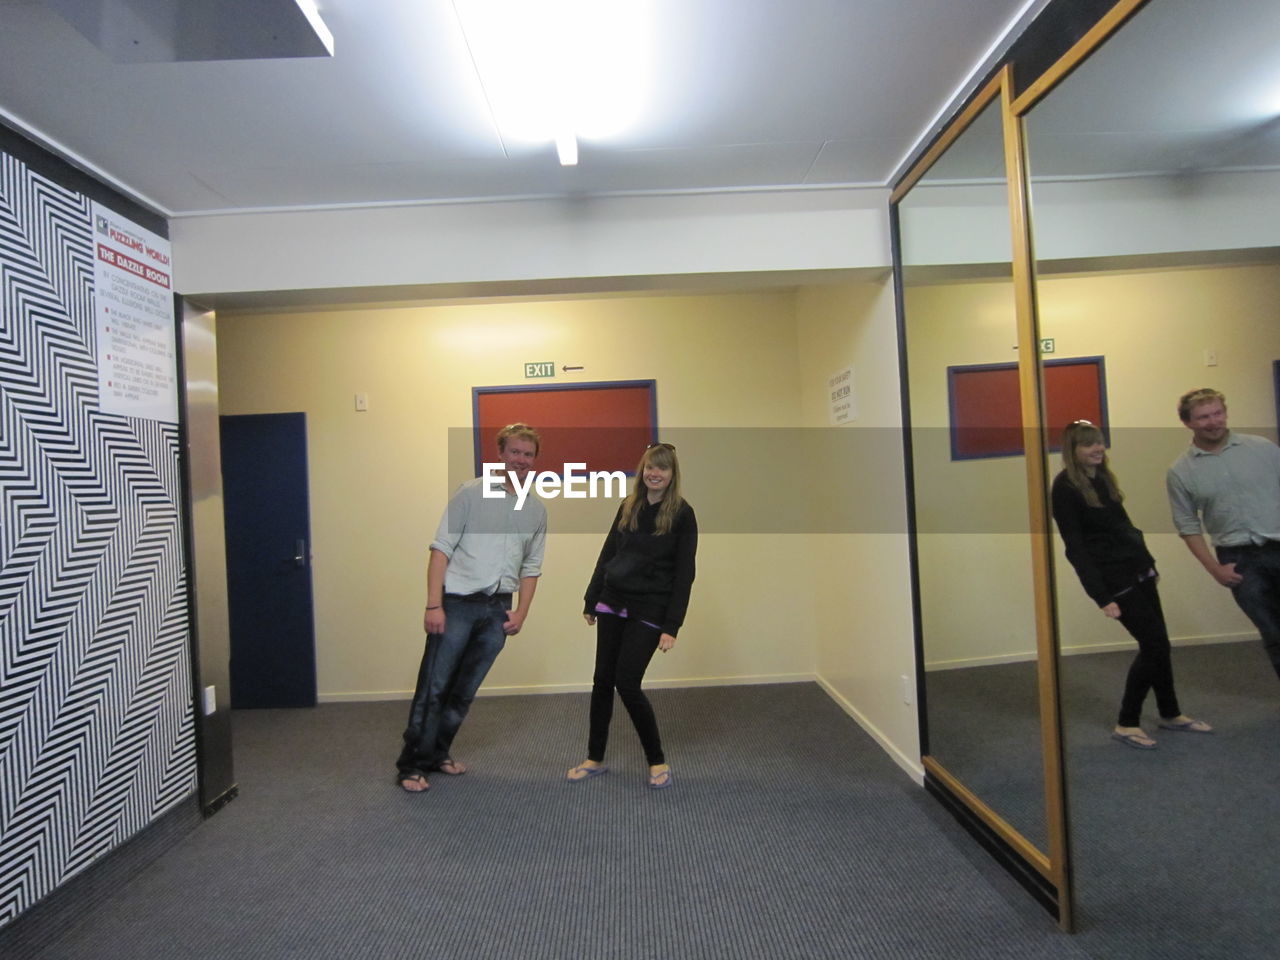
<point>1177,849</point>
<point>984,727</point>
<point>788,834</point>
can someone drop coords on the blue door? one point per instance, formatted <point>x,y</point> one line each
<point>268,520</point>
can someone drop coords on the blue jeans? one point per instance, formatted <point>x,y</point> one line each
<point>454,665</point>
<point>1258,595</point>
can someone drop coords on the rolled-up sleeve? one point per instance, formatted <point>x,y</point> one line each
<point>531,563</point>
<point>453,523</point>
<point>1186,519</point>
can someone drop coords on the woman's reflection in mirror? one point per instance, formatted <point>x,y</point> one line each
<point>1118,573</point>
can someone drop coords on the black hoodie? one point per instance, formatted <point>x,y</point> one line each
<point>1106,549</point>
<point>648,575</point>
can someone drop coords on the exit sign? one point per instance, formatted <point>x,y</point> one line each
<point>1046,345</point>
<point>544,368</point>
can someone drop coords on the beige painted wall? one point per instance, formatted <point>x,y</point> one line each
<point>862,571</point>
<point>814,583</point>
<point>1152,327</point>
<point>380,479</point>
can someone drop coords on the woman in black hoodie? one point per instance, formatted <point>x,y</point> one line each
<point>1116,570</point>
<point>636,600</point>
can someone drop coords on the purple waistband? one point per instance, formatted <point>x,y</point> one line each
<point>605,608</point>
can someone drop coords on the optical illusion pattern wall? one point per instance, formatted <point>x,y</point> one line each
<point>96,726</point>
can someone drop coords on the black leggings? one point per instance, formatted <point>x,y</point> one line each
<point>1152,668</point>
<point>624,648</point>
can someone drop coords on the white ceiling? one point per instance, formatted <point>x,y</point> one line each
<point>1186,87</point>
<point>753,94</point>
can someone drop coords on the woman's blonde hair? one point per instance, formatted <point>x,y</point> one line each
<point>659,455</point>
<point>1082,433</point>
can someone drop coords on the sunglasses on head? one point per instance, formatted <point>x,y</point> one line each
<point>668,446</point>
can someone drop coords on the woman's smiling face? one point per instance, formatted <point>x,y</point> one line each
<point>656,479</point>
<point>1090,455</point>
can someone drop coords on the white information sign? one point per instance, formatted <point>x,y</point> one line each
<point>133,297</point>
<point>840,392</point>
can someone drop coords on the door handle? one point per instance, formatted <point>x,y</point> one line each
<point>300,553</point>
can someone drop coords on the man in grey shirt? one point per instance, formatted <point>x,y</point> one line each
<point>1228,485</point>
<point>486,548</point>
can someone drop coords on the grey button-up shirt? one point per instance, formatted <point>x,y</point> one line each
<point>1233,495</point>
<point>490,544</point>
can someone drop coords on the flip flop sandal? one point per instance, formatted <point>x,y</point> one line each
<point>586,773</point>
<point>660,780</point>
<point>1191,726</point>
<point>419,778</point>
<point>457,771</point>
<point>1136,740</point>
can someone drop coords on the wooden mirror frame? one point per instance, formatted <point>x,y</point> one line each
<point>1046,874</point>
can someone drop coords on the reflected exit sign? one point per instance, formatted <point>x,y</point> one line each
<point>544,368</point>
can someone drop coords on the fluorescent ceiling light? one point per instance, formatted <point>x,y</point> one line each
<point>567,150</point>
<point>561,70</point>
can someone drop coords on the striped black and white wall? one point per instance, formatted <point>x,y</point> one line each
<point>96,725</point>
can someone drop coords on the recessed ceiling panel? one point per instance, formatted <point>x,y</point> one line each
<point>162,31</point>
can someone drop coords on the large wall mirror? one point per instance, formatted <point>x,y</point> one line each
<point>1155,205</point>
<point>987,747</point>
